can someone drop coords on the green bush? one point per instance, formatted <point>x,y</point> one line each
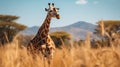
<point>61,38</point>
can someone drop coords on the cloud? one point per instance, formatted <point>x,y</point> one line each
<point>81,2</point>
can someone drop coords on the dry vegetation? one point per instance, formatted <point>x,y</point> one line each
<point>14,55</point>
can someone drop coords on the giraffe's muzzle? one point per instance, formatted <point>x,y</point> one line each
<point>58,16</point>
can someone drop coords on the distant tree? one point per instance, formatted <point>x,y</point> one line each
<point>61,38</point>
<point>9,28</point>
<point>107,29</point>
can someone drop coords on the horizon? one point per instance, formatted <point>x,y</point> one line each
<point>66,25</point>
<point>32,13</point>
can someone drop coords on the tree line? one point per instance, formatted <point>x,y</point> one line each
<point>107,31</point>
<point>9,28</point>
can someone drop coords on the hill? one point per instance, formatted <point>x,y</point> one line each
<point>78,30</point>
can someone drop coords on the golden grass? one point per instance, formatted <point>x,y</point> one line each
<point>12,55</point>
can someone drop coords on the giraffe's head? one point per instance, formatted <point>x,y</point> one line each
<point>53,11</point>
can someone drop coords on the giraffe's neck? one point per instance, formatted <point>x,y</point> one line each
<point>43,31</point>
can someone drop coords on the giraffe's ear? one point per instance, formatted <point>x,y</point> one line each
<point>58,8</point>
<point>46,9</point>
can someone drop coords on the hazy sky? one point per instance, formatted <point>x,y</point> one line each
<point>31,12</point>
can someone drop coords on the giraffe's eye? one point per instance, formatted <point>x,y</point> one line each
<point>54,9</point>
<point>50,10</point>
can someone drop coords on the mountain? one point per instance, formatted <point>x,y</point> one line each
<point>78,30</point>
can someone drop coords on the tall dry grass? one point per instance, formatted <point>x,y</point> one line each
<point>14,55</point>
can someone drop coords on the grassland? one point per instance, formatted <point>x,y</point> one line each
<point>14,55</point>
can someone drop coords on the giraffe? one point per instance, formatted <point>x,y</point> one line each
<point>42,41</point>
